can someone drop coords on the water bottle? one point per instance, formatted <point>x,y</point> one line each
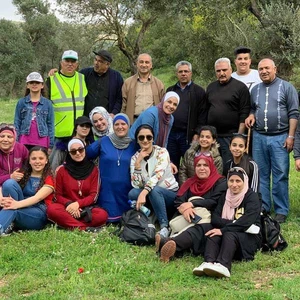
<point>143,208</point>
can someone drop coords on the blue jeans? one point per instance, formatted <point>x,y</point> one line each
<point>272,160</point>
<point>33,217</point>
<point>161,199</point>
<point>224,148</point>
<point>177,145</point>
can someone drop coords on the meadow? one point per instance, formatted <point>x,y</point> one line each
<point>58,264</point>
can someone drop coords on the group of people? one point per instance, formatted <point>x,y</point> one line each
<point>104,142</point>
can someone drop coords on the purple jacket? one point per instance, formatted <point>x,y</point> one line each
<point>9,162</point>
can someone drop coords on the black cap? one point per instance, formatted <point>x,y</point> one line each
<point>83,120</point>
<point>241,49</point>
<point>104,54</point>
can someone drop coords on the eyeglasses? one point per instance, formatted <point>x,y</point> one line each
<point>183,71</point>
<point>141,138</point>
<point>207,154</point>
<point>85,125</point>
<point>74,151</point>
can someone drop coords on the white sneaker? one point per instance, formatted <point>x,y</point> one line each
<point>216,270</point>
<point>164,232</point>
<point>199,270</point>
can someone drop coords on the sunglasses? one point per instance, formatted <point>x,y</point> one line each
<point>149,137</point>
<point>79,150</point>
<point>85,125</point>
<point>207,154</point>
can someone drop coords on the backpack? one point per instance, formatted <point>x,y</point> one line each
<point>136,228</point>
<point>272,239</point>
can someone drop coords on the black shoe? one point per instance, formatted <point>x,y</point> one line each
<point>280,218</point>
<point>93,229</point>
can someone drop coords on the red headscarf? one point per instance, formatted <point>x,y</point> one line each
<point>198,186</point>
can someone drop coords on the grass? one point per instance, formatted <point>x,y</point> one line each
<point>44,265</point>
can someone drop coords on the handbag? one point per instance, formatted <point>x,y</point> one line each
<point>180,224</point>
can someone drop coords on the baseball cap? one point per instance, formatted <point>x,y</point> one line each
<point>104,54</point>
<point>241,49</point>
<point>34,76</point>
<point>70,54</point>
<point>83,120</point>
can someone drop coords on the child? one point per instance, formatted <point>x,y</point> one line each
<point>24,204</point>
<point>206,144</point>
<point>241,159</point>
<point>34,117</point>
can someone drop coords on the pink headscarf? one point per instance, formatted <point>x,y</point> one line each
<point>234,200</point>
<point>7,128</point>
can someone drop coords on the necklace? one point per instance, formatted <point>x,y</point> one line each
<point>80,185</point>
<point>119,157</point>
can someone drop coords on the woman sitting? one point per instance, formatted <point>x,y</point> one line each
<point>102,122</point>
<point>202,190</point>
<point>77,186</point>
<point>114,152</point>
<point>152,178</point>
<point>159,118</point>
<point>236,232</point>
<point>24,203</point>
<point>207,142</point>
<point>240,159</point>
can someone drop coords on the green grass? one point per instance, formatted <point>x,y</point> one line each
<point>44,265</point>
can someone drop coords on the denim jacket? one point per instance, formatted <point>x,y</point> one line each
<point>44,118</point>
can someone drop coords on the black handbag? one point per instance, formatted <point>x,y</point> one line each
<point>272,239</point>
<point>136,228</point>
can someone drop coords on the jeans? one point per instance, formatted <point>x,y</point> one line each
<point>224,149</point>
<point>31,217</point>
<point>177,145</point>
<point>161,199</point>
<point>272,159</point>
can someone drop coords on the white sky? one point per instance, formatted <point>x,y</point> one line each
<point>8,11</point>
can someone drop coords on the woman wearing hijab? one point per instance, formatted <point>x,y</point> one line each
<point>114,152</point>
<point>102,122</point>
<point>77,186</point>
<point>159,118</point>
<point>202,190</point>
<point>236,227</point>
<point>12,155</point>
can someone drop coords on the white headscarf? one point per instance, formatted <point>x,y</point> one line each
<point>102,111</point>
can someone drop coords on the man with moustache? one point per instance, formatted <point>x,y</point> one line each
<point>274,116</point>
<point>228,105</point>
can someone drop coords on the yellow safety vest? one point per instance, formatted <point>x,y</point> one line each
<point>67,107</point>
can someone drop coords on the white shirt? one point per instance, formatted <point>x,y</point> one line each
<point>250,79</point>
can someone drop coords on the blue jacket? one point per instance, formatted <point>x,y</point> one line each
<point>44,118</point>
<point>150,117</point>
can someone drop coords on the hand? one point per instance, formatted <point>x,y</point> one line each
<point>142,154</point>
<point>112,115</point>
<point>213,232</point>
<point>174,169</point>
<point>141,200</point>
<point>184,206</point>
<point>289,144</point>
<point>52,72</point>
<point>17,175</point>
<point>73,210</point>
<point>249,122</point>
<point>9,203</point>
<point>188,214</point>
<point>297,165</point>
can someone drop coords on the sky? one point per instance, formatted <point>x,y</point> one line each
<point>8,11</point>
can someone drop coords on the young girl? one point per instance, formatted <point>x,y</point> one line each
<point>24,203</point>
<point>83,130</point>
<point>206,144</point>
<point>34,117</point>
<point>241,159</point>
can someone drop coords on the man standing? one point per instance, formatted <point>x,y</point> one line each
<point>67,90</point>
<point>190,115</point>
<point>229,105</point>
<point>104,85</point>
<point>243,72</point>
<point>274,115</point>
<point>141,90</point>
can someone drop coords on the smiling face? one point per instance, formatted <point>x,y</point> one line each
<point>77,152</point>
<point>121,128</point>
<point>100,123</point>
<point>83,130</point>
<point>237,148</point>
<point>206,140</point>
<point>68,66</point>
<point>235,184</point>
<point>202,169</point>
<point>242,63</point>
<point>144,64</point>
<point>170,105</point>
<point>7,140</point>
<point>38,160</point>
<point>145,139</point>
<point>223,72</point>
<point>34,86</point>
<point>267,70</point>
